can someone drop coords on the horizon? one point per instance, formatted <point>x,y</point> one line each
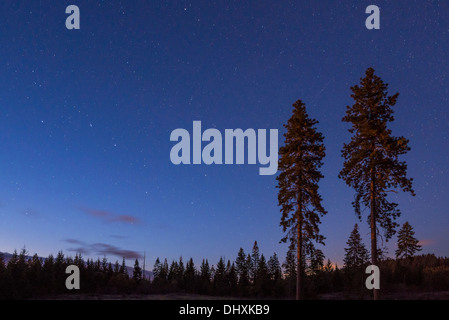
<point>149,268</point>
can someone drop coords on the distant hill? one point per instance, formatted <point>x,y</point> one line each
<point>7,256</point>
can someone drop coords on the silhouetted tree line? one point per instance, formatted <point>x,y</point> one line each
<point>249,275</point>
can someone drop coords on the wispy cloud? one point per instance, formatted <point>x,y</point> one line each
<point>107,249</point>
<point>426,242</point>
<point>102,249</point>
<point>108,216</point>
<point>126,219</point>
<point>74,241</point>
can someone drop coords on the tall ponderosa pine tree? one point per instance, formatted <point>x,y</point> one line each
<point>300,160</point>
<point>372,165</point>
<point>356,256</point>
<point>407,243</point>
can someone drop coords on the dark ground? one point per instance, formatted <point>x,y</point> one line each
<point>442,295</point>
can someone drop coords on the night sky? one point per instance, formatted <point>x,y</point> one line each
<point>86,117</point>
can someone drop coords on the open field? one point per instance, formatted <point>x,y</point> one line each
<point>443,295</point>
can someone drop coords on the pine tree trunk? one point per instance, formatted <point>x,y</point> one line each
<point>373,228</point>
<point>298,250</point>
<point>298,263</point>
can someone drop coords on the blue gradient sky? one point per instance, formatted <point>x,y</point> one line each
<point>86,117</point>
